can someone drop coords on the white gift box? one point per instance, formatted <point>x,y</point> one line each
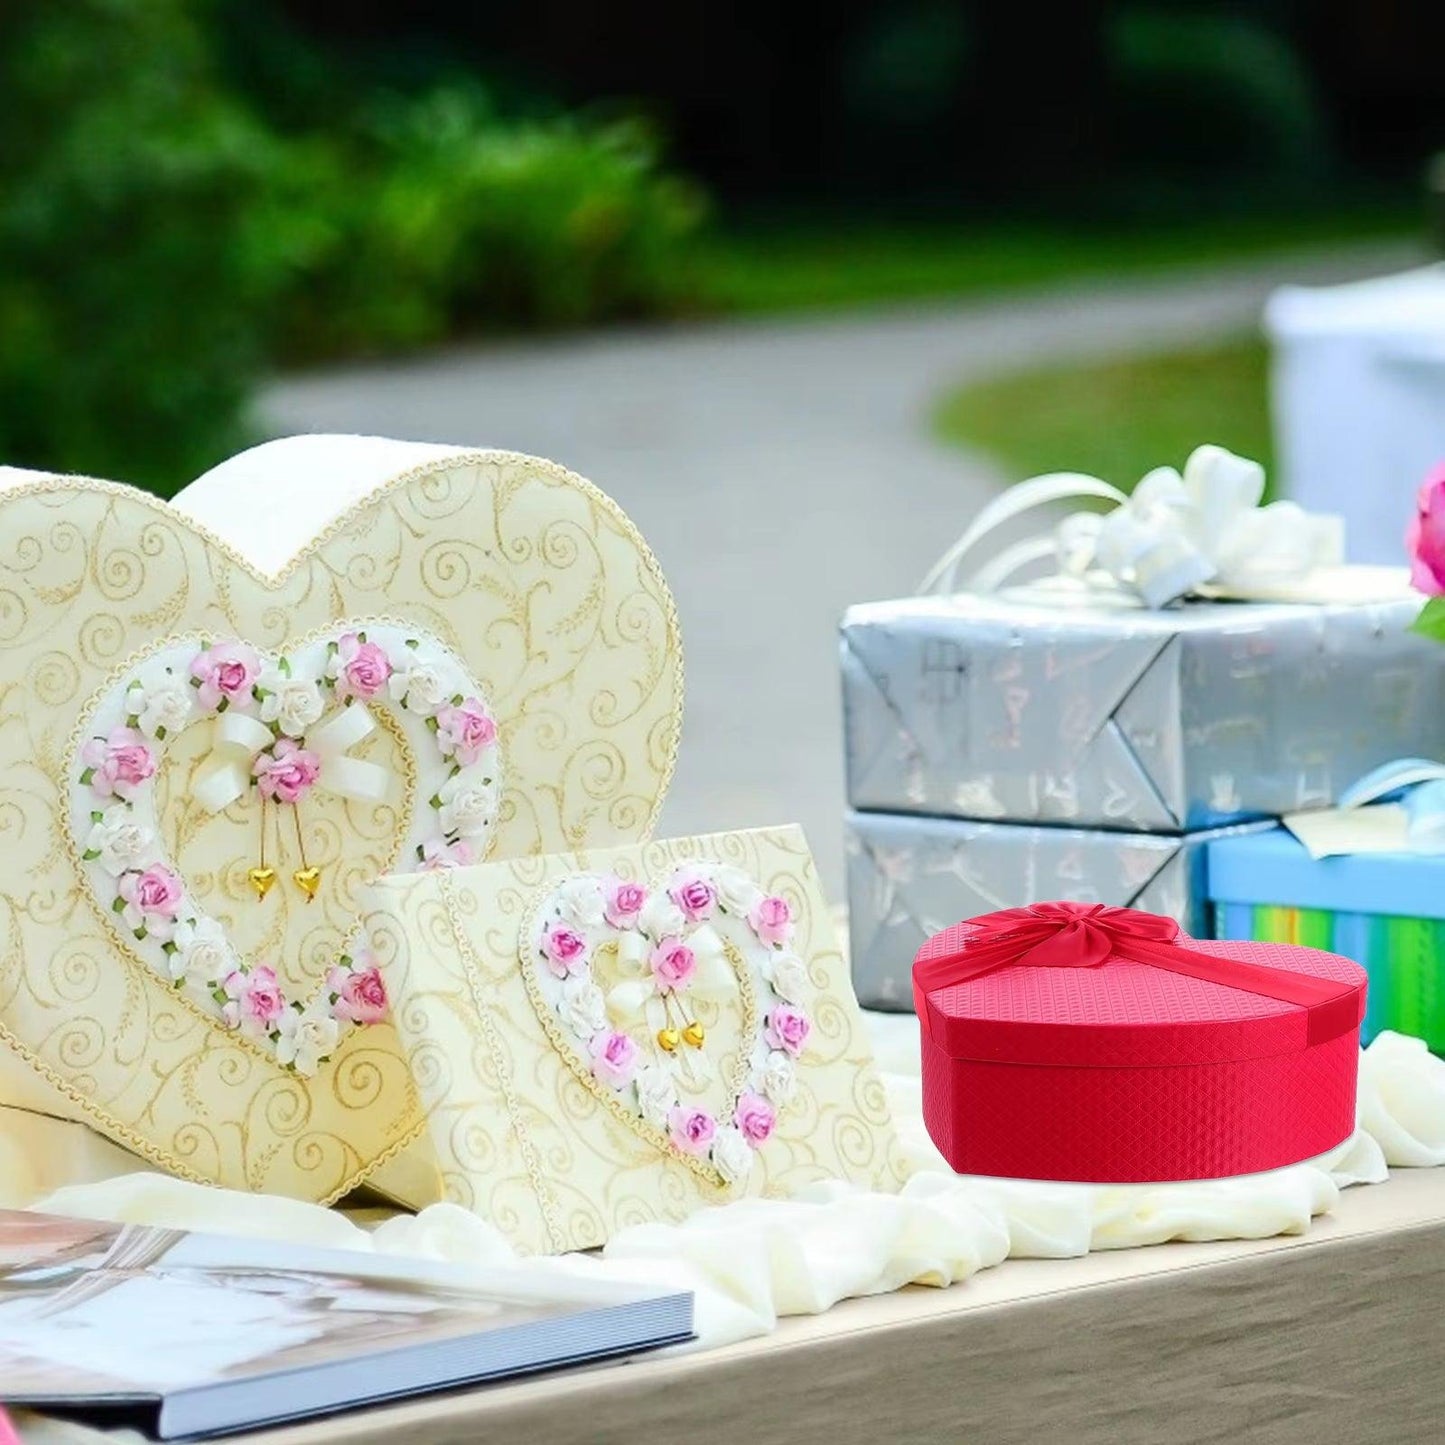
<point>1358,396</point>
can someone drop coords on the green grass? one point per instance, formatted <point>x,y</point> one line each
<point>1117,419</point>
<point>798,267</point>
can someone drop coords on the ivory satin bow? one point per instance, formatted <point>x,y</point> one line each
<point>237,740</point>
<point>641,1000</point>
<point>1175,534</point>
<point>1090,935</point>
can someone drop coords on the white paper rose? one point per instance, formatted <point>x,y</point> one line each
<point>735,890</point>
<point>780,1078</point>
<point>661,917</point>
<point>201,952</point>
<point>292,703</point>
<point>656,1095</point>
<point>731,1155</point>
<point>580,902</point>
<point>469,804</point>
<point>162,708</point>
<point>422,688</point>
<point>788,975</point>
<point>583,1009</point>
<point>305,1039</point>
<point>117,843</point>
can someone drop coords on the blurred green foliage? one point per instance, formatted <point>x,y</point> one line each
<point>164,239</point>
<point>437,216</point>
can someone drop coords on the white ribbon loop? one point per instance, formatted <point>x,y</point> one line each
<point>344,776</point>
<point>1176,534</point>
<point>238,739</point>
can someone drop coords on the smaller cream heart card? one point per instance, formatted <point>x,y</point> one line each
<point>615,1036</point>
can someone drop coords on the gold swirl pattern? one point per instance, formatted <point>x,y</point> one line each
<point>466,547</point>
<point>528,1139</point>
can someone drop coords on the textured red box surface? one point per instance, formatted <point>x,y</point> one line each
<point>1127,1072</point>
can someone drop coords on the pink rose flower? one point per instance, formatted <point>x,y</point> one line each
<point>465,731</point>
<point>152,899</point>
<point>673,964</point>
<point>254,1001</point>
<point>1425,536</point>
<point>788,1029</point>
<point>118,762</point>
<point>755,1118</point>
<point>437,853</point>
<point>288,772</point>
<point>363,668</point>
<point>614,1058</point>
<point>565,949</point>
<point>226,671</point>
<point>694,895</point>
<point>691,1130</point>
<point>772,920</point>
<point>624,902</point>
<point>360,994</point>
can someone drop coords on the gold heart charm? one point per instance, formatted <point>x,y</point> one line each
<point>668,1040</point>
<point>693,1035</point>
<point>308,880</point>
<point>262,880</point>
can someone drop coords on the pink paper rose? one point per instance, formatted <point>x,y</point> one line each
<point>788,1029</point>
<point>152,899</point>
<point>673,964</point>
<point>755,1118</point>
<point>614,1058</point>
<point>363,668</point>
<point>360,994</point>
<point>694,895</point>
<point>437,853</point>
<point>253,1000</point>
<point>624,902</point>
<point>288,772</point>
<point>1425,536</point>
<point>226,672</point>
<point>772,920</point>
<point>465,731</point>
<point>118,762</point>
<point>565,949</point>
<point>691,1130</point>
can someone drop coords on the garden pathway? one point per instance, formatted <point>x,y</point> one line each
<point>781,470</point>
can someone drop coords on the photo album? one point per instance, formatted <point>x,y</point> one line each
<point>190,1335</point>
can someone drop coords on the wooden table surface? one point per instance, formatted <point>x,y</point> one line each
<point>1334,1336</point>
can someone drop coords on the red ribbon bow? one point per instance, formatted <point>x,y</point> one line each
<point>1088,935</point>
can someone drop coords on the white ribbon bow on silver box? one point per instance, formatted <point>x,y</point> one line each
<point>1176,535</point>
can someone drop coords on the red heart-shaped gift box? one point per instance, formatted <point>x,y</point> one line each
<point>1079,1042</point>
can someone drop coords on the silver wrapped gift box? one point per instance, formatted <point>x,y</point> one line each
<point>1159,722</point>
<point>909,877</point>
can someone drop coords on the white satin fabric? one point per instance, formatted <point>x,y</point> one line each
<point>750,1263</point>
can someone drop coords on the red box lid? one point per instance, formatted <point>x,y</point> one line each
<point>1123,1013</point>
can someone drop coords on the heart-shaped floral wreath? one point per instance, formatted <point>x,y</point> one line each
<point>282,726</point>
<point>641,1044</point>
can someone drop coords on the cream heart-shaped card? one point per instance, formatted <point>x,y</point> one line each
<point>219,720</point>
<point>613,1036</point>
